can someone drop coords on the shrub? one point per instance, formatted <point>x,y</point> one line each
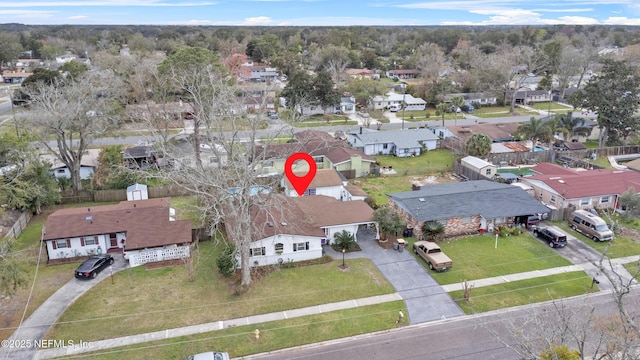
<point>226,263</point>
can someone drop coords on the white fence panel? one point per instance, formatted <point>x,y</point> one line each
<point>154,255</point>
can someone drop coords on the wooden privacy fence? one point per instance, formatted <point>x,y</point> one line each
<point>120,194</point>
<point>16,229</point>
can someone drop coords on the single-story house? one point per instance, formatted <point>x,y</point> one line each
<point>501,135</point>
<point>180,153</point>
<point>15,77</point>
<point>362,74</point>
<point>88,164</point>
<point>391,98</point>
<point>295,229</point>
<point>326,182</point>
<point>403,74</point>
<point>531,96</point>
<point>153,112</point>
<point>347,105</point>
<point>562,187</point>
<point>328,153</point>
<point>471,98</point>
<point>479,166</point>
<point>401,143</point>
<point>465,207</point>
<point>141,230</point>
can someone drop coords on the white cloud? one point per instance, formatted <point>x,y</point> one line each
<point>77,17</point>
<point>258,20</point>
<point>622,20</point>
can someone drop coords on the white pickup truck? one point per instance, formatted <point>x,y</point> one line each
<point>433,255</point>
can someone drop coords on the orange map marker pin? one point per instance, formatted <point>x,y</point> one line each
<point>300,183</point>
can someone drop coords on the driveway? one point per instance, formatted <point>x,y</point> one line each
<point>579,253</point>
<point>38,324</point>
<point>424,297</point>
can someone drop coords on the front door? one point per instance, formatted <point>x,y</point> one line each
<point>113,241</point>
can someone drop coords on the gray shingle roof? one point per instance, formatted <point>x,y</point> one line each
<point>469,198</point>
<point>402,138</point>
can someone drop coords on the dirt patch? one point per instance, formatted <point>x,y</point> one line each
<point>427,180</point>
<point>163,264</point>
<point>630,233</point>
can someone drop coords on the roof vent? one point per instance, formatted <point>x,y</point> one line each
<point>421,199</point>
<point>283,223</point>
<point>561,181</point>
<point>89,218</point>
<point>269,224</point>
<point>555,178</point>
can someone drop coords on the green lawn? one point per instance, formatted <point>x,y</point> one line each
<point>432,161</point>
<point>241,341</point>
<point>620,246</point>
<point>163,298</point>
<point>601,161</point>
<point>524,292</point>
<point>475,257</point>
<point>555,107</point>
<point>499,111</point>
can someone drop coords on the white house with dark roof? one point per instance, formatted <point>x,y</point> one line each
<point>326,182</point>
<point>391,98</point>
<point>401,143</point>
<point>465,207</point>
<point>88,164</point>
<point>295,229</point>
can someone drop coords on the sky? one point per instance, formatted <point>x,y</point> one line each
<point>321,12</point>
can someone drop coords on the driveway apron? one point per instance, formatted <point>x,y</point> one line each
<point>423,296</point>
<point>41,320</point>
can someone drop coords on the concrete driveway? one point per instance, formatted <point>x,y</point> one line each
<point>39,323</point>
<point>423,296</point>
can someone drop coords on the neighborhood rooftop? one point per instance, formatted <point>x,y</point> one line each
<point>486,198</point>
<point>407,138</point>
<point>589,183</point>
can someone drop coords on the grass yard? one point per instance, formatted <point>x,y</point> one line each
<point>525,292</point>
<point>432,161</point>
<point>499,111</point>
<point>143,301</point>
<point>475,257</point>
<point>601,161</point>
<point>240,341</point>
<point>625,244</point>
<point>555,107</point>
<point>378,187</point>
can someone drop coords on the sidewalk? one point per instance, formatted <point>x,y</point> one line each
<point>218,325</point>
<point>311,310</point>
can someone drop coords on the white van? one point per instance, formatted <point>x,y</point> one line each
<point>395,107</point>
<point>590,225</point>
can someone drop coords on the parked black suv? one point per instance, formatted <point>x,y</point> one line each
<point>553,237</point>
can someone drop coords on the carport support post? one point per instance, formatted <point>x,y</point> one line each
<point>496,242</point>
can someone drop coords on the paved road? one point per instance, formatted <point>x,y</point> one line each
<point>465,338</point>
<point>37,325</point>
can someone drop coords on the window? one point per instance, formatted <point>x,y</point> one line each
<point>487,172</point>
<point>585,202</point>
<point>605,199</point>
<point>384,146</point>
<point>279,248</point>
<point>60,171</point>
<point>318,159</point>
<point>301,246</point>
<point>553,199</point>
<point>89,240</point>
<point>256,251</point>
<point>61,244</point>
<point>310,192</point>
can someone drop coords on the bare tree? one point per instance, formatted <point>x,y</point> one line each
<point>73,113</point>
<point>429,60</point>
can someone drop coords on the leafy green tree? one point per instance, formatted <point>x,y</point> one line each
<point>323,90</point>
<point>364,90</point>
<point>73,69</point>
<point>389,220</point>
<point>457,101</point>
<point>535,130</point>
<point>432,230</point>
<point>630,202</point>
<point>613,97</point>
<point>344,240</point>
<point>29,188</point>
<point>479,145</point>
<point>10,47</point>
<point>297,92</point>
<point>12,274</point>
<point>571,126</point>
<point>226,262</point>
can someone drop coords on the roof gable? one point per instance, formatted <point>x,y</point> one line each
<point>589,183</point>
